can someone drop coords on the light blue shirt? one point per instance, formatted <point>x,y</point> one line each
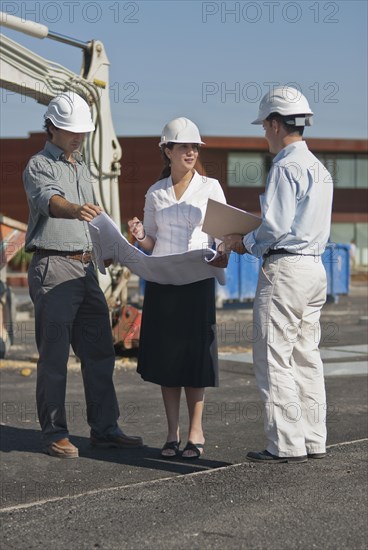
<point>296,205</point>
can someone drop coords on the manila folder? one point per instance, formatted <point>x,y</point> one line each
<point>222,219</point>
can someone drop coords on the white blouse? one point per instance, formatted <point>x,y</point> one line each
<point>176,225</point>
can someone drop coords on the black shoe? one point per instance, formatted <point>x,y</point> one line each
<point>171,446</point>
<point>196,448</point>
<point>268,458</point>
<point>117,440</point>
<point>316,455</point>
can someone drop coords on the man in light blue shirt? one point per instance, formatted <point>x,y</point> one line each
<point>296,206</point>
<point>296,218</point>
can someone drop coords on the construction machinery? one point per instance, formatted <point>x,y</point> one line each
<point>26,73</point>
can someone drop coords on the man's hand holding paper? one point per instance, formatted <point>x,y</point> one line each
<point>234,243</point>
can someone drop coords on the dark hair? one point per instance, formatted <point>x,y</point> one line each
<point>166,171</point>
<point>47,125</point>
<point>288,123</point>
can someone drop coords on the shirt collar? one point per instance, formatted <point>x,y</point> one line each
<point>169,182</point>
<point>58,154</point>
<point>297,145</point>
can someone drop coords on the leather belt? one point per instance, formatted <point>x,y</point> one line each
<point>85,257</point>
<point>280,251</point>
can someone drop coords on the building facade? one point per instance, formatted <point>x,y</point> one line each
<point>240,164</point>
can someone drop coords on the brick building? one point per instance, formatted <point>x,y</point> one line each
<point>240,164</point>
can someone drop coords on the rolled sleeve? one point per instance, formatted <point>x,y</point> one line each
<point>41,183</point>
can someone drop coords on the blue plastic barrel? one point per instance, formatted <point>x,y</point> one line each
<point>336,260</point>
<point>242,274</point>
<point>249,271</point>
<point>231,290</point>
<point>241,278</point>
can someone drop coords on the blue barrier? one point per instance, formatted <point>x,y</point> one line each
<point>241,278</point>
<point>242,274</point>
<point>336,260</point>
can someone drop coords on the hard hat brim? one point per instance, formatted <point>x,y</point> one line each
<point>82,129</point>
<point>257,121</point>
<point>180,141</point>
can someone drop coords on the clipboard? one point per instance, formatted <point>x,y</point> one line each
<point>222,219</point>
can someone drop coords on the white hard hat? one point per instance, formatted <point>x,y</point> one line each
<point>180,130</point>
<point>285,101</point>
<point>69,111</point>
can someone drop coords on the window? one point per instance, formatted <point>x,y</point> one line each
<point>348,232</point>
<point>247,169</point>
<point>347,171</point>
<point>362,171</point>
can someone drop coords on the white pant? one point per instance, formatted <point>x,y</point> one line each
<point>289,372</point>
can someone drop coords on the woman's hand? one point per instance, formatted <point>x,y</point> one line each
<point>222,258</point>
<point>136,228</point>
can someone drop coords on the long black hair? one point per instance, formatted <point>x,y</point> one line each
<point>166,171</point>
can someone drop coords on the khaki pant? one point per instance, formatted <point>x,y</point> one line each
<point>289,372</point>
<point>70,309</point>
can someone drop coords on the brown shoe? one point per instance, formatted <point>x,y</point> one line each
<point>119,440</point>
<point>62,449</point>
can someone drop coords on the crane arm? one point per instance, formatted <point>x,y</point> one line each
<point>24,72</point>
<point>28,74</point>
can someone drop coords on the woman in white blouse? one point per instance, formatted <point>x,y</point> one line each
<point>178,346</point>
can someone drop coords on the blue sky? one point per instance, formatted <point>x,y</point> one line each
<point>209,61</point>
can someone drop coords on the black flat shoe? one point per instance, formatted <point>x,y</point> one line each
<point>196,448</point>
<point>173,446</point>
<point>267,458</point>
<point>316,455</point>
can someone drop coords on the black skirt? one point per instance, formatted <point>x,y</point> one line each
<point>178,341</point>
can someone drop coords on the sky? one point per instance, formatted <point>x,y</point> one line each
<point>210,61</point>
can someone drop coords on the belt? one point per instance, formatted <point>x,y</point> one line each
<point>279,251</point>
<point>85,257</point>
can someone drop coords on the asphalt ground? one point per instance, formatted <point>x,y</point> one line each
<point>117,499</point>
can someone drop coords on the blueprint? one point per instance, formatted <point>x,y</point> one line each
<point>175,269</point>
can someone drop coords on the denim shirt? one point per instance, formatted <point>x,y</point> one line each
<point>48,173</point>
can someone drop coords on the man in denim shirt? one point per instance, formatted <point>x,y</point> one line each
<point>70,308</point>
